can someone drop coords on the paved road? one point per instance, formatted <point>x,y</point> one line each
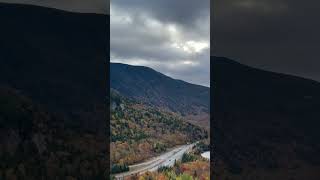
<point>166,159</point>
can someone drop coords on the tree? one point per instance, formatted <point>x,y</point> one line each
<point>187,158</point>
<point>117,168</point>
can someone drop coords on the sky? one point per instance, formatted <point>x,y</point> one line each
<point>172,37</point>
<point>81,6</point>
<point>276,35</point>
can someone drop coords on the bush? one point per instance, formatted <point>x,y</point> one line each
<point>187,158</point>
<point>164,169</point>
<point>202,147</point>
<point>118,168</point>
<point>185,177</point>
<point>159,147</point>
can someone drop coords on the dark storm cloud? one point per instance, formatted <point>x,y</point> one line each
<point>82,6</point>
<point>169,36</point>
<point>277,35</point>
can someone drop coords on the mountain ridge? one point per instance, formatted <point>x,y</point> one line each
<point>152,87</point>
<point>52,83</point>
<point>141,66</point>
<point>234,62</point>
<point>45,8</point>
<point>265,123</point>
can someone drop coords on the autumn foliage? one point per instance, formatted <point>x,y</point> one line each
<point>140,131</point>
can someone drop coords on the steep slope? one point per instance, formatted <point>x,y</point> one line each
<point>56,60</point>
<point>35,143</point>
<point>139,132</point>
<point>154,88</point>
<point>264,123</point>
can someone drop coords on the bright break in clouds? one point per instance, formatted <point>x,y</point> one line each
<point>172,37</point>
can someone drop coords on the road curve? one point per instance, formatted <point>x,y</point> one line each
<point>166,159</point>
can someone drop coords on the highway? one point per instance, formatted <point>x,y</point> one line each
<point>166,159</point>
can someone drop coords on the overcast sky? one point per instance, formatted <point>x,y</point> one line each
<point>170,36</point>
<point>277,35</point>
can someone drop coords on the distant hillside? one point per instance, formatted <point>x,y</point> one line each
<point>57,60</point>
<point>139,132</point>
<point>156,89</point>
<point>264,123</point>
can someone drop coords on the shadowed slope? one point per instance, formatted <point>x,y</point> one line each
<point>57,61</point>
<point>264,122</point>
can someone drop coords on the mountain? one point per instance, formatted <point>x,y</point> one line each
<point>153,88</point>
<point>265,123</point>
<point>151,112</point>
<point>57,61</point>
<point>139,131</point>
<point>55,57</point>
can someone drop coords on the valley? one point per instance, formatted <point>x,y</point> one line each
<point>139,132</point>
<point>156,123</point>
<point>166,159</point>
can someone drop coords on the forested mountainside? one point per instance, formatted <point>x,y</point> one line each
<point>139,131</point>
<point>37,143</point>
<point>265,123</point>
<point>53,80</point>
<point>153,88</point>
<point>58,58</point>
<point>191,167</point>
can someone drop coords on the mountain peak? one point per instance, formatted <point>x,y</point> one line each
<point>152,87</point>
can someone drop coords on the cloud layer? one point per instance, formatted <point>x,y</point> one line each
<point>169,36</point>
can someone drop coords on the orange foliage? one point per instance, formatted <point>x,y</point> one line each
<point>161,177</point>
<point>201,169</point>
